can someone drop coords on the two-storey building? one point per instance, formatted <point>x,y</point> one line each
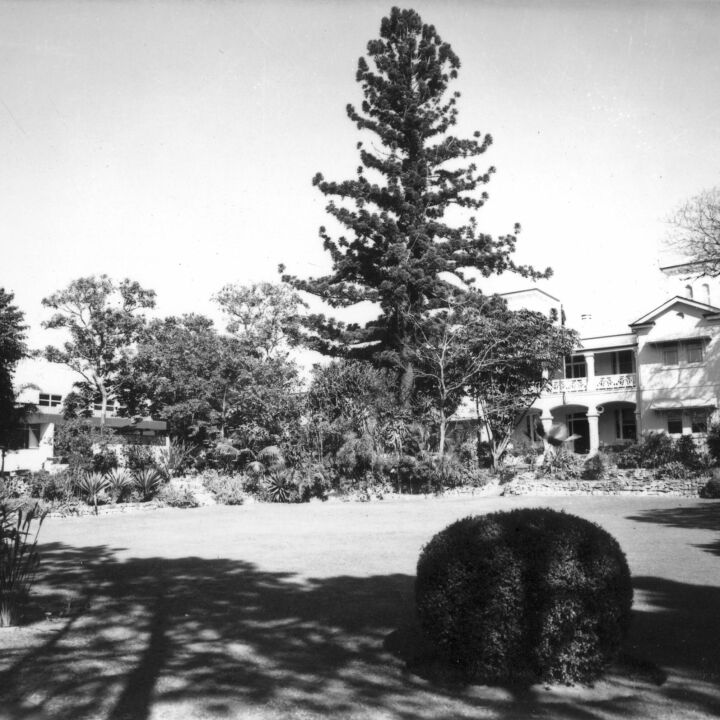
<point>662,374</point>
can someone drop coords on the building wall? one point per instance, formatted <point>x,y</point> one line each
<point>685,382</point>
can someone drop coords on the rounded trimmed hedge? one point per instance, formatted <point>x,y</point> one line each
<point>526,595</point>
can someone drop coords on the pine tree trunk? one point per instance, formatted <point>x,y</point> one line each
<point>406,380</point>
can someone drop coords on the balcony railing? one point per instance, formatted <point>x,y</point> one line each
<point>569,385</point>
<point>599,382</point>
<point>615,382</point>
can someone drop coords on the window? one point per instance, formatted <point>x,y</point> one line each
<point>623,362</point>
<point>670,354</point>
<point>531,422</point>
<point>694,351</point>
<point>111,405</point>
<point>47,400</point>
<point>25,437</point>
<point>698,421</point>
<point>675,423</point>
<point>575,367</point>
<point>625,424</point>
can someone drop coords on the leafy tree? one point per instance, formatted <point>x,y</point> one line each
<point>12,350</point>
<point>400,247</point>
<point>104,321</point>
<point>695,233</point>
<point>347,396</point>
<point>527,348</point>
<point>265,316</point>
<point>455,347</point>
<point>207,385</point>
<point>180,374</point>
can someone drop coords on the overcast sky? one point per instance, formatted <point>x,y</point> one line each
<point>175,142</point>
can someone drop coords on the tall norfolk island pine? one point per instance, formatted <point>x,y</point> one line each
<point>398,243</point>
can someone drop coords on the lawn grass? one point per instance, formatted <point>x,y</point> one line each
<point>278,611</point>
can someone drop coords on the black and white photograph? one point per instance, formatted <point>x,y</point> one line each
<point>359,361</point>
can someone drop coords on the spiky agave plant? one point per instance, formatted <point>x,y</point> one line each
<point>173,458</point>
<point>19,560</point>
<point>91,485</point>
<point>119,482</point>
<point>280,485</point>
<point>147,481</point>
<point>270,464</point>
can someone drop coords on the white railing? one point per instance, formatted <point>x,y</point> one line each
<point>615,382</point>
<point>569,385</point>
<point>599,382</point>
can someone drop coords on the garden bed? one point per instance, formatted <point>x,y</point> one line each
<point>622,482</point>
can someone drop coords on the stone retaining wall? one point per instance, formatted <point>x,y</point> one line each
<point>632,482</point>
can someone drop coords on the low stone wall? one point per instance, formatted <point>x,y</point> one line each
<point>631,482</point>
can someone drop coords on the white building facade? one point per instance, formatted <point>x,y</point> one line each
<point>661,375</point>
<point>44,386</point>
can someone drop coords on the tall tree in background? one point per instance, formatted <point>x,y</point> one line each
<point>210,387</point>
<point>264,316</point>
<point>104,320</point>
<point>12,350</point>
<point>398,244</point>
<point>695,233</point>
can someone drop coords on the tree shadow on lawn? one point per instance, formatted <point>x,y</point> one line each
<point>705,516</point>
<point>221,638</point>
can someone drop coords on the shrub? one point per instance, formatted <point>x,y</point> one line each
<point>12,488</point>
<point>174,459</point>
<point>562,465</point>
<point>355,456</point>
<point>363,489</point>
<point>630,458</point>
<point>226,489</point>
<point>139,457</point>
<point>595,468</point>
<point>674,470</point>
<point>450,471</point>
<point>178,497</point>
<point>104,461</point>
<point>712,439</point>
<point>528,595</point>
<point>147,481</point>
<point>657,449</point>
<point>686,452</point>
<point>52,487</point>
<point>711,489</point>
<point>415,475</point>
<point>19,560</point>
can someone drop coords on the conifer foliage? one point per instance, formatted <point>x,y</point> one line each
<point>398,243</point>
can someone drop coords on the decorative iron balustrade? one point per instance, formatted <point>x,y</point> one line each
<point>615,382</point>
<point>569,385</point>
<point>599,382</point>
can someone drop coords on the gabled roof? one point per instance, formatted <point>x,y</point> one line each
<point>529,290</point>
<point>709,311</point>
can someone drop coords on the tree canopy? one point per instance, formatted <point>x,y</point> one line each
<point>398,248</point>
<point>104,320</point>
<point>209,386</point>
<point>695,233</point>
<point>265,316</point>
<point>12,350</point>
